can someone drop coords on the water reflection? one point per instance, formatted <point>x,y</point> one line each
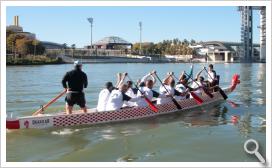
<point>246,85</point>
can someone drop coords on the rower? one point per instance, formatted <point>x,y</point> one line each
<point>149,76</point>
<point>166,95</point>
<point>77,80</point>
<point>147,89</point>
<point>198,84</point>
<point>182,85</point>
<point>118,97</point>
<point>213,79</point>
<point>131,92</point>
<point>104,97</point>
<point>182,90</point>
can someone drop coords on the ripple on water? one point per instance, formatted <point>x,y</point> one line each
<point>127,158</point>
<point>132,157</point>
<point>65,131</point>
<point>108,137</point>
<point>130,132</point>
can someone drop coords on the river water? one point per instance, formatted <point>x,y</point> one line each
<point>203,134</point>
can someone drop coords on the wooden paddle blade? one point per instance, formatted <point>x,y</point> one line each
<point>176,104</point>
<point>223,94</point>
<point>196,98</point>
<point>151,105</point>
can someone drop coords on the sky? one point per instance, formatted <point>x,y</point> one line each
<point>69,24</point>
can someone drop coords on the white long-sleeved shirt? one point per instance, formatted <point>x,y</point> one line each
<point>144,79</point>
<point>199,90</point>
<point>148,93</point>
<point>102,100</point>
<point>131,94</point>
<point>116,100</point>
<point>163,98</point>
<point>211,76</point>
<point>180,88</point>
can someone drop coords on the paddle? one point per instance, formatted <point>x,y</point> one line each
<point>196,97</point>
<point>223,94</point>
<point>150,104</point>
<point>173,99</point>
<point>204,89</point>
<point>49,103</point>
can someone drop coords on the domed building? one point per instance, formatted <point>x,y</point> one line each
<point>112,43</point>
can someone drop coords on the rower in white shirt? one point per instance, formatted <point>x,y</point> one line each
<point>212,77</point>
<point>146,87</point>
<point>104,97</point>
<point>182,89</point>
<point>118,97</point>
<point>166,95</point>
<point>131,92</point>
<point>198,84</point>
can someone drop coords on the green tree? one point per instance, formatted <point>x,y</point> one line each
<point>35,43</point>
<point>192,42</point>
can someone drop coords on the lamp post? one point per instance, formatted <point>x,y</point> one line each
<point>140,26</point>
<point>90,20</point>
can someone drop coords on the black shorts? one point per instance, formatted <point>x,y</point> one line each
<point>76,98</point>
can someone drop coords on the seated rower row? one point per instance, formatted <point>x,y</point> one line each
<point>124,95</point>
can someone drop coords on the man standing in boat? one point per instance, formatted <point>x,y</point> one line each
<point>77,80</point>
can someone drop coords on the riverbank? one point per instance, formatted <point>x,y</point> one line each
<point>33,60</point>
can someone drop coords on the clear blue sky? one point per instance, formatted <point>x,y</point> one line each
<point>69,24</point>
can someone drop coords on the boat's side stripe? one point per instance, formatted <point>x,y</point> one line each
<point>124,114</point>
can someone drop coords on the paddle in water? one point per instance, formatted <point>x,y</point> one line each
<point>196,97</point>
<point>149,102</point>
<point>49,103</point>
<point>223,94</point>
<point>173,99</point>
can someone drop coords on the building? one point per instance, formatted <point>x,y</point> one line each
<point>220,51</point>
<point>112,43</point>
<point>247,50</point>
<point>19,30</point>
<point>52,45</point>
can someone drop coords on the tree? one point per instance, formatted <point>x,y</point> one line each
<point>22,46</point>
<point>192,41</point>
<point>35,43</point>
<point>11,42</point>
<point>185,42</point>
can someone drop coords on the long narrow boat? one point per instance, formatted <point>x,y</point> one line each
<point>92,117</point>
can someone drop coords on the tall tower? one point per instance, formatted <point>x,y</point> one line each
<point>246,52</point>
<point>16,21</point>
<point>262,34</point>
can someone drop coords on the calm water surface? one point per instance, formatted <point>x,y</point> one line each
<point>203,134</point>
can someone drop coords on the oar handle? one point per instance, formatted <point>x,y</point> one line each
<point>192,79</point>
<point>173,99</point>
<point>175,77</point>
<point>135,85</point>
<point>49,103</point>
<point>162,84</point>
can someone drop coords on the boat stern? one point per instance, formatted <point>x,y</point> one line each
<point>12,124</point>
